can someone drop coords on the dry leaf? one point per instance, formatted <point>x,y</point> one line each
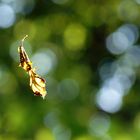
<point>37,83</point>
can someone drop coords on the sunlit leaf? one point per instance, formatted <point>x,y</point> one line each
<point>37,83</point>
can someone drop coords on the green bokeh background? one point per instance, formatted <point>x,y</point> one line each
<point>75,31</point>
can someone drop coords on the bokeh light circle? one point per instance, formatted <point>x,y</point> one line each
<point>7,16</point>
<point>68,89</point>
<point>99,124</point>
<point>44,61</point>
<point>109,100</point>
<point>75,36</point>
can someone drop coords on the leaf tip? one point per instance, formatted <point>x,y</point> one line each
<point>24,39</point>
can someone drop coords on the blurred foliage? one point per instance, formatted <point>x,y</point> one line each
<point>67,44</point>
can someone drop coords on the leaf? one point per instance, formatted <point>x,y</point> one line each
<point>37,83</point>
